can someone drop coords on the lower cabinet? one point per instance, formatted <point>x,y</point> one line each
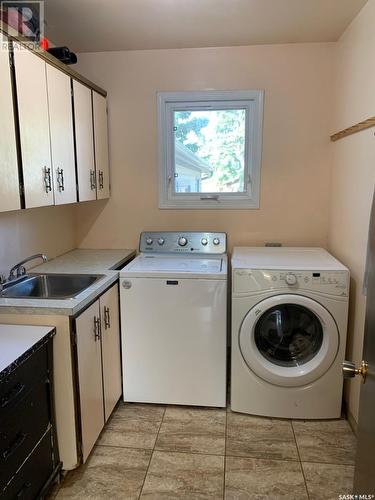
<point>98,365</point>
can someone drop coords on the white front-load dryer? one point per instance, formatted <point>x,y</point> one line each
<point>289,322</point>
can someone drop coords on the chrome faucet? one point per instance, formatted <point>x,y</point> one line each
<point>19,270</point>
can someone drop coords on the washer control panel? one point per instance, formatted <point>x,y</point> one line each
<point>186,242</point>
<point>329,282</point>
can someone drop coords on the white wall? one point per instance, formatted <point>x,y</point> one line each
<point>39,230</point>
<point>353,173</point>
<point>294,203</point>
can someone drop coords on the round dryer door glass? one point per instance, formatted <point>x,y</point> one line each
<point>288,335</point>
<point>289,340</point>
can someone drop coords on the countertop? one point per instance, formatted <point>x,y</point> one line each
<point>16,342</point>
<point>79,261</point>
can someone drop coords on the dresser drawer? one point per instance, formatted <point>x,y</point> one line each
<point>14,387</point>
<point>33,475</point>
<point>22,430</point>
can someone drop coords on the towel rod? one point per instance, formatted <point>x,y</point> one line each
<point>370,122</point>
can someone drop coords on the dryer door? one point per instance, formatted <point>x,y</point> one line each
<point>289,340</point>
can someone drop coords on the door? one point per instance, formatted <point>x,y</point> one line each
<point>84,136</point>
<point>31,85</point>
<point>111,351</point>
<point>89,361</point>
<point>289,340</point>
<point>62,136</point>
<point>101,145</point>
<point>364,478</point>
<point>9,186</point>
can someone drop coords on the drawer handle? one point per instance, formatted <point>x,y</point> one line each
<point>101,179</point>
<point>15,445</point>
<point>97,329</point>
<point>25,487</point>
<point>47,179</point>
<point>12,395</point>
<point>60,179</point>
<point>92,180</point>
<point>107,318</point>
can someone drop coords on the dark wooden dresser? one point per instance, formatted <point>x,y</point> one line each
<point>29,459</point>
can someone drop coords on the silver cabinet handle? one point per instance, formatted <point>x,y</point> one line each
<point>47,179</point>
<point>97,329</point>
<point>60,179</point>
<point>92,180</point>
<point>107,318</point>
<point>101,179</point>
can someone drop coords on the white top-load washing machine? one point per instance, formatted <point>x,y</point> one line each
<point>174,320</point>
<point>289,322</point>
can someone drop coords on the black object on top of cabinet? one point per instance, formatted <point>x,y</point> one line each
<point>29,459</point>
<point>63,54</point>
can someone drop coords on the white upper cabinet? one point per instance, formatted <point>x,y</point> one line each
<point>101,145</point>
<point>83,118</point>
<point>9,186</point>
<point>34,128</point>
<point>63,142</point>
<point>62,136</point>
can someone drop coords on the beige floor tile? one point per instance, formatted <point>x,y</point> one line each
<point>113,473</point>
<point>133,426</point>
<point>259,437</point>
<point>184,476</point>
<point>327,481</point>
<point>328,441</point>
<point>250,478</point>
<point>193,430</point>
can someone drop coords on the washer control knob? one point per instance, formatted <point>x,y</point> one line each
<point>161,241</point>
<point>149,241</point>
<point>291,279</point>
<point>182,241</point>
<point>204,241</point>
<point>216,241</point>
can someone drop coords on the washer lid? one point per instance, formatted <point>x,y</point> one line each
<point>152,265</point>
<point>289,340</point>
<point>285,258</point>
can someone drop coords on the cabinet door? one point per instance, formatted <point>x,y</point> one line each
<point>34,128</point>
<point>109,310</point>
<point>101,145</point>
<point>83,119</point>
<point>90,376</point>
<point>9,186</point>
<point>62,136</point>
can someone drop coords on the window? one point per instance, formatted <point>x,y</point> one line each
<point>210,149</point>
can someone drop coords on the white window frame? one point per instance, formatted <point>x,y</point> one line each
<point>168,102</point>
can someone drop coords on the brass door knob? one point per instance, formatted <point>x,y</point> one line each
<point>349,370</point>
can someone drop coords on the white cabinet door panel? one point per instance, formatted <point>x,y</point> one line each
<point>9,186</point>
<point>83,118</point>
<point>34,128</point>
<point>101,145</point>
<point>62,135</point>
<point>111,353</point>
<point>90,378</point>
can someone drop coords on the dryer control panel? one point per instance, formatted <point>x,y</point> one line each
<point>190,242</point>
<point>328,282</point>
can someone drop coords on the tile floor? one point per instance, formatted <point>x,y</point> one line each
<point>157,452</point>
